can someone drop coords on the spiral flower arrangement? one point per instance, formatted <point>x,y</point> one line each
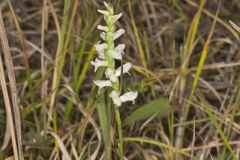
<point>108,54</point>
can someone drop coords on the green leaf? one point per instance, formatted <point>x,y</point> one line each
<point>104,115</point>
<point>160,106</point>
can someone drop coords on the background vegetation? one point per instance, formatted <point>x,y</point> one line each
<point>186,59</point>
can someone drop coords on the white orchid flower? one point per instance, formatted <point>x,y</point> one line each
<point>115,98</point>
<point>103,28</point>
<point>114,35</point>
<point>116,17</point>
<point>103,83</point>
<point>100,48</point>
<point>115,54</point>
<point>107,5</point>
<point>126,68</point>
<point>118,100</point>
<point>98,63</point>
<point>110,73</point>
<point>114,74</point>
<point>118,33</point>
<point>104,12</point>
<point>103,36</point>
<point>129,96</point>
<point>101,55</point>
<point>120,48</point>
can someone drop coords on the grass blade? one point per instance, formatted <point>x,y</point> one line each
<point>64,42</point>
<point>79,81</point>
<point>104,119</point>
<point>137,38</point>
<point>61,145</point>
<point>13,87</point>
<point>161,107</point>
<point>218,127</point>
<point>153,142</point>
<point>8,109</point>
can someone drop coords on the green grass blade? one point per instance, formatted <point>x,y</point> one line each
<point>64,42</point>
<point>232,116</point>
<point>78,83</point>
<point>178,8</point>
<point>104,119</point>
<point>161,107</point>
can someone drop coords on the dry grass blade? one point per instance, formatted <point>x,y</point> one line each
<point>7,137</point>
<point>236,27</point>
<point>13,88</point>
<point>44,86</point>
<point>8,108</point>
<point>61,146</point>
<point>60,39</point>
<point>22,40</point>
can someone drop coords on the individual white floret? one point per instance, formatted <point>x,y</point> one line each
<point>113,75</point>
<point>118,100</point>
<point>103,83</point>
<point>115,18</point>
<point>98,63</point>
<point>126,68</point>
<point>129,96</point>
<point>115,54</point>
<point>118,33</point>
<point>100,48</point>
<point>103,28</point>
<point>110,74</point>
<point>103,36</point>
<point>120,48</point>
<point>104,12</point>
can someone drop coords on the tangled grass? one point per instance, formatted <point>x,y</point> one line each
<point>185,57</point>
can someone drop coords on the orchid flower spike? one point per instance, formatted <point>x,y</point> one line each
<point>108,54</point>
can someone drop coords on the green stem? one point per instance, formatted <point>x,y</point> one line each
<point>120,134</point>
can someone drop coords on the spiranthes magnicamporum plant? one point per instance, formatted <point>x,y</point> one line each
<point>108,54</point>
